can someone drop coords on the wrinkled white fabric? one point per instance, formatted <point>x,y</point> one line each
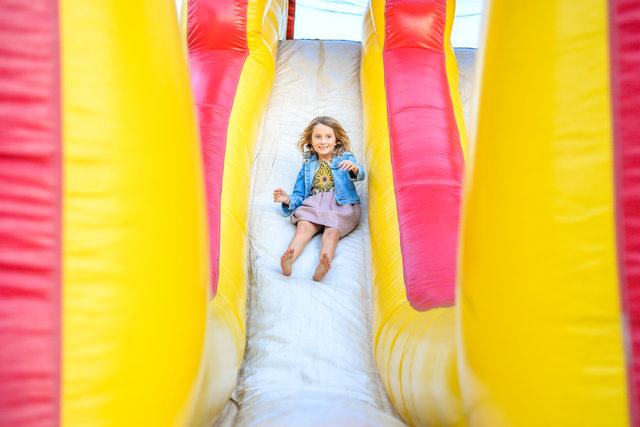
<point>309,358</point>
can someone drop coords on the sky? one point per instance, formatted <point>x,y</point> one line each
<point>342,20</point>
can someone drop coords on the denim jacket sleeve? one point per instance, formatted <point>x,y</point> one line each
<point>297,195</point>
<point>352,158</point>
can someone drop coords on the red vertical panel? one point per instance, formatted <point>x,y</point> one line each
<point>217,44</point>
<point>217,24</point>
<point>291,18</point>
<point>625,86</point>
<point>426,154</point>
<point>30,191</point>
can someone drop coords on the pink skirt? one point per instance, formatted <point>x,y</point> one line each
<point>323,209</point>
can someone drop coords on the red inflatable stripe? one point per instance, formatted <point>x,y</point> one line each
<point>217,44</point>
<point>625,85</point>
<point>426,154</point>
<point>30,213</point>
<point>291,18</point>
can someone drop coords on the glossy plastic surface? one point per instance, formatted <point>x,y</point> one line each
<point>134,263</point>
<point>409,344</point>
<point>231,47</point>
<point>540,316</point>
<point>30,214</point>
<point>624,35</point>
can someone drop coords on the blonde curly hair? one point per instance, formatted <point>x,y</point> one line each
<point>343,144</point>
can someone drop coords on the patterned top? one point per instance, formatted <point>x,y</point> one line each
<point>323,179</point>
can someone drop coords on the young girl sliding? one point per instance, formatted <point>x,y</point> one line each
<point>323,195</point>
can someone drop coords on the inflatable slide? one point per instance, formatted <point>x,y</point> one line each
<point>493,285</point>
<point>309,347</point>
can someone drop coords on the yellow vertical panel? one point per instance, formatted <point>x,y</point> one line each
<point>376,24</point>
<point>250,100</point>
<point>452,77</point>
<point>388,284</point>
<point>221,360</point>
<point>183,19</point>
<point>135,267</point>
<point>539,310</point>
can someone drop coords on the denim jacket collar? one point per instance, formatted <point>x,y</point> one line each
<point>313,157</point>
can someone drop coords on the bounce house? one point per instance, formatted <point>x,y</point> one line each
<point>494,282</point>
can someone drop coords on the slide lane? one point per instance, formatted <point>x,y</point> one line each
<point>309,358</point>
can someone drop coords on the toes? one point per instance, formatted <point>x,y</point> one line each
<point>325,260</point>
<point>287,254</point>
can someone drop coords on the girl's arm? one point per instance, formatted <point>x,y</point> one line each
<point>297,196</point>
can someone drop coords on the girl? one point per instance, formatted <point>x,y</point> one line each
<point>324,194</point>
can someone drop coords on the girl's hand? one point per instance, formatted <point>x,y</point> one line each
<point>281,196</point>
<point>348,165</point>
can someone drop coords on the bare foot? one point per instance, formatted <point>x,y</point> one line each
<point>322,268</point>
<point>286,262</point>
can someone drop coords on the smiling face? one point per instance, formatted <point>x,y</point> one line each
<point>325,137</point>
<point>323,140</point>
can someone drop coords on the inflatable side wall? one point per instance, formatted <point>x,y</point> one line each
<point>103,259</point>
<point>549,280</point>
<point>414,134</point>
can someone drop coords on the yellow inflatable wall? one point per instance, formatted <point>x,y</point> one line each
<point>540,317</point>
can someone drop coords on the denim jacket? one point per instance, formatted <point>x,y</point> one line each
<point>345,191</point>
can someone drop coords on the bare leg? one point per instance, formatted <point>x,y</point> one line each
<point>304,232</point>
<point>330,239</point>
